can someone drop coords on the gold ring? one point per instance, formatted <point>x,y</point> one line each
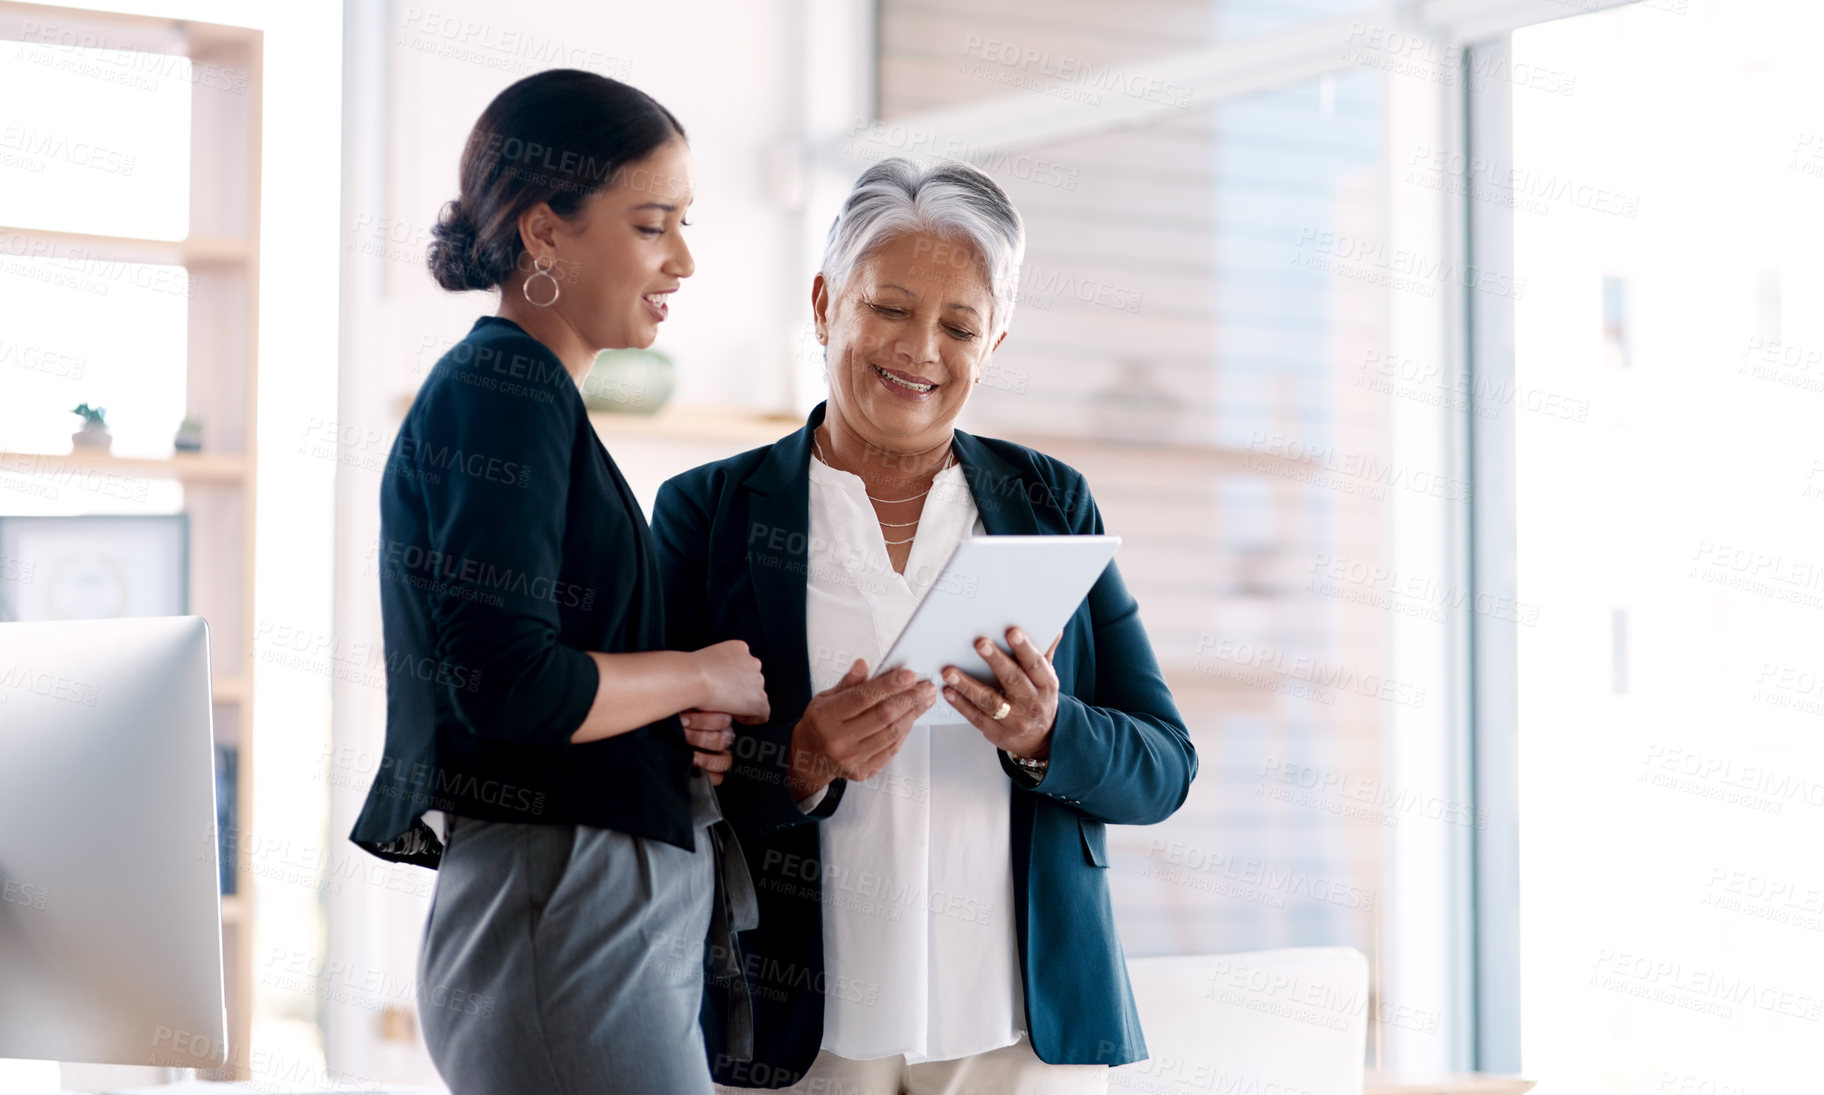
<point>1002,713</point>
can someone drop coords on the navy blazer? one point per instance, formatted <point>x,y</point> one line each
<point>510,546</point>
<point>732,554</point>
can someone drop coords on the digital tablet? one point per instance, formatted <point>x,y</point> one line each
<point>990,584</point>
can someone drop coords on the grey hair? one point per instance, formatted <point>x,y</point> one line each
<point>948,198</point>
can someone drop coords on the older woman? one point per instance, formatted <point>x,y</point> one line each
<point>934,912</point>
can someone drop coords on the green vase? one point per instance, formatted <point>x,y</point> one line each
<point>629,381</point>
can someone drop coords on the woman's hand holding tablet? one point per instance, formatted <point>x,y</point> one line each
<point>1017,716</point>
<point>991,585</point>
<point>852,729</point>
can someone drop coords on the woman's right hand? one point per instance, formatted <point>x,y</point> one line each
<point>851,730</point>
<point>732,680</point>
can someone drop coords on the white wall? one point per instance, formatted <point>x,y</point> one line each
<point>720,67</point>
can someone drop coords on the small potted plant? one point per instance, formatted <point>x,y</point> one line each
<point>94,433</point>
<point>189,435</point>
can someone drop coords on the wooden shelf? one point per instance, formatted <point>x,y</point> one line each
<point>219,297</point>
<point>144,33</point>
<point>695,424</point>
<point>709,423</point>
<point>230,688</point>
<point>680,423</point>
<point>216,250</point>
<point>193,251</point>
<point>1188,455</point>
<point>185,467</point>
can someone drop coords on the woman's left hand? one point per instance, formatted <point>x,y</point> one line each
<point>1028,685</point>
<point>710,734</point>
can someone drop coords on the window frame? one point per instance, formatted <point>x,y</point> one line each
<point>1474,743</point>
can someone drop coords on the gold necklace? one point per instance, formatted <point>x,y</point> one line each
<point>949,459</point>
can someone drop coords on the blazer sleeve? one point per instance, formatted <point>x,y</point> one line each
<point>680,529</point>
<point>753,793</point>
<point>495,474</point>
<point>1123,754</point>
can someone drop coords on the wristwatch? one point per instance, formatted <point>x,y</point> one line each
<point>1032,766</point>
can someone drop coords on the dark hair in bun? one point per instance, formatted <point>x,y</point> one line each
<point>557,137</point>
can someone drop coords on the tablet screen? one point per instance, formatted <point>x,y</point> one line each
<point>992,583</point>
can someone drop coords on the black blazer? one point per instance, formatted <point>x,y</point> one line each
<point>510,545</point>
<point>732,539</point>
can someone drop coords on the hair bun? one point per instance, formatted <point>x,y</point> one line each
<point>452,257</point>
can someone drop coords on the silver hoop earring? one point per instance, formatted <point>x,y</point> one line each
<point>541,267</point>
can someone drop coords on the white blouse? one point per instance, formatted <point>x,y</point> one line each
<point>918,932</point>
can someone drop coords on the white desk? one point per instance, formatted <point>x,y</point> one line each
<point>1463,1083</point>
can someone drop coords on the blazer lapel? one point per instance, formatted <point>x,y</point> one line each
<point>778,535</point>
<point>999,492</point>
<point>779,521</point>
<point>1006,510</point>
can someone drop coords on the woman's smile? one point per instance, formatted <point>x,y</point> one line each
<point>655,303</point>
<point>905,385</point>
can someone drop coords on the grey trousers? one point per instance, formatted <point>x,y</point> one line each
<point>568,959</point>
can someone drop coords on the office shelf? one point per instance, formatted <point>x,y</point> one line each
<point>78,248</point>
<point>185,467</point>
<point>695,424</point>
<point>220,293</point>
<point>230,688</point>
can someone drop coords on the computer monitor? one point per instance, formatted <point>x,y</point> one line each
<point>110,906</point>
